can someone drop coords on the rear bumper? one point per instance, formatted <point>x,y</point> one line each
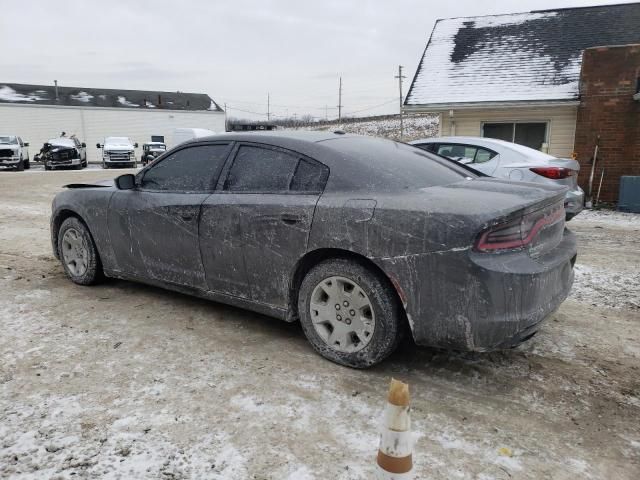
<point>574,202</point>
<point>465,300</point>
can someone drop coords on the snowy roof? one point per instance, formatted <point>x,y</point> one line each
<point>102,97</point>
<point>534,56</point>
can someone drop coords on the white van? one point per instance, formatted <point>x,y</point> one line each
<point>183,134</point>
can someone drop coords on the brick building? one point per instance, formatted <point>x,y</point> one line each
<point>609,109</point>
<point>536,78</point>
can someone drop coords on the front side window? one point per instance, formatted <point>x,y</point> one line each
<point>265,170</point>
<point>192,169</point>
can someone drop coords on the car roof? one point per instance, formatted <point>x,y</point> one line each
<point>356,161</point>
<point>275,135</point>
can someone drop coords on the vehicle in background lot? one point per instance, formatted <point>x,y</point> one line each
<point>181,135</point>
<point>360,238</point>
<point>63,152</point>
<point>118,152</point>
<point>14,152</point>
<point>501,159</point>
<point>151,151</point>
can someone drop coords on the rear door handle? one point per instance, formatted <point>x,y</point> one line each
<point>290,219</point>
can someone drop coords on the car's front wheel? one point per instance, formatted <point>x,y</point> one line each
<point>349,314</point>
<point>78,253</point>
<point>20,165</point>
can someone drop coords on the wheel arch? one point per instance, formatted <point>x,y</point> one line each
<point>312,258</point>
<point>56,222</point>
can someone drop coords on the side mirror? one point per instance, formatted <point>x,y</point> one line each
<point>126,181</point>
<point>135,145</point>
<point>84,145</point>
<point>26,144</point>
<point>98,145</point>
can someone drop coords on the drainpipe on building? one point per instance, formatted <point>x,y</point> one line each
<point>589,202</point>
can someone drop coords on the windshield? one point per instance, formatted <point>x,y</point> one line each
<point>8,140</point>
<point>384,165</point>
<point>123,141</point>
<point>61,142</point>
<point>159,148</point>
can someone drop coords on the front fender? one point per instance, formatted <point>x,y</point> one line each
<point>91,206</point>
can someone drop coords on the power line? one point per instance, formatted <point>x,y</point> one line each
<point>374,106</point>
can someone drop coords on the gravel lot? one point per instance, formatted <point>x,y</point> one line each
<point>129,381</point>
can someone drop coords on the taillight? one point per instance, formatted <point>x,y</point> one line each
<point>520,232</point>
<point>555,173</point>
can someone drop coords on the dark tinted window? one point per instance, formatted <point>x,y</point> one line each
<point>257,169</point>
<point>429,147</point>
<point>309,177</point>
<point>193,169</point>
<point>376,164</point>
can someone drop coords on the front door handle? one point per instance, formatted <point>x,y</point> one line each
<point>290,219</point>
<point>186,217</point>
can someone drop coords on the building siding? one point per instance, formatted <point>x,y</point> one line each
<point>37,124</point>
<point>609,115</point>
<point>562,123</point>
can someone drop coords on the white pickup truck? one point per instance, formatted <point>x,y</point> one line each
<point>14,152</point>
<point>118,152</point>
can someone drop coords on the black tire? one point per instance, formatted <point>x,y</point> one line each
<point>388,320</point>
<point>93,273</point>
<point>47,167</point>
<point>20,165</point>
<point>27,164</point>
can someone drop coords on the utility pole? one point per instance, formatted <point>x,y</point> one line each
<point>226,125</point>
<point>400,77</point>
<point>326,113</point>
<point>268,107</point>
<point>340,100</point>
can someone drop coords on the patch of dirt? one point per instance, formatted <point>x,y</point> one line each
<point>127,381</point>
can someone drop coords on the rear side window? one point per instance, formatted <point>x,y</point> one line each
<point>465,153</point>
<point>266,170</point>
<point>309,177</point>
<point>193,169</point>
<point>375,164</point>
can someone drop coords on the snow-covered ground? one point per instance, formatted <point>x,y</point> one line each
<point>127,381</point>
<point>415,127</point>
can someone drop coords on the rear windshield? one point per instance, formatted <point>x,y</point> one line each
<point>378,164</point>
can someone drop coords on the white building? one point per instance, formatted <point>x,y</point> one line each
<point>40,112</point>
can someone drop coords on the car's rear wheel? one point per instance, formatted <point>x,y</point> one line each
<point>78,253</point>
<point>349,314</point>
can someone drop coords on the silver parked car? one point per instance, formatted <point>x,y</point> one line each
<point>501,159</point>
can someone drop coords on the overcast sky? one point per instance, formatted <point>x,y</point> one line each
<point>235,51</point>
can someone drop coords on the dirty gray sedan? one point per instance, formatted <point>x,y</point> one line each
<point>361,239</point>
